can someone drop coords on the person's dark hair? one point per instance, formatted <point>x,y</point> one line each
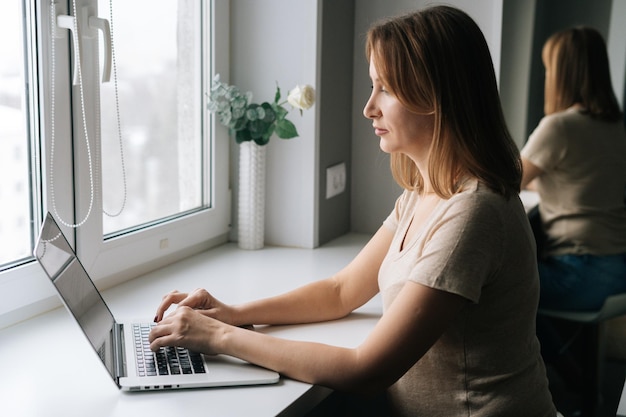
<point>577,72</point>
<point>437,60</point>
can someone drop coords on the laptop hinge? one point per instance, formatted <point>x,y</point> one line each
<point>120,355</point>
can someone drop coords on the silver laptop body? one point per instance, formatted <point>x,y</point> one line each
<point>114,342</point>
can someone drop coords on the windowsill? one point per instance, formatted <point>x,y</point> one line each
<point>232,275</point>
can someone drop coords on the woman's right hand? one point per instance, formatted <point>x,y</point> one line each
<point>199,299</point>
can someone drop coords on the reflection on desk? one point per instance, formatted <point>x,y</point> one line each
<point>62,377</point>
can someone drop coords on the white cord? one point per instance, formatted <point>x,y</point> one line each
<point>117,114</point>
<point>52,111</point>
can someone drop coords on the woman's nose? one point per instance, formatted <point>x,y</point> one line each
<point>370,111</point>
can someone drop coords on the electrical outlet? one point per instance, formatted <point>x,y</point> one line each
<point>335,180</point>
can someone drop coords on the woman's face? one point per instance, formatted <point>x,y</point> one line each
<point>399,129</point>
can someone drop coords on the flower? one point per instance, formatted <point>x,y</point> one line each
<point>258,122</point>
<point>301,97</point>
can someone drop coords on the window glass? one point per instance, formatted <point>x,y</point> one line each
<point>51,130</point>
<point>156,79</point>
<point>15,213</point>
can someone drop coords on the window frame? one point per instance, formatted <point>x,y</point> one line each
<point>120,258</point>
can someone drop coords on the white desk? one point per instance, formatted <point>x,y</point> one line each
<point>621,408</point>
<point>55,343</point>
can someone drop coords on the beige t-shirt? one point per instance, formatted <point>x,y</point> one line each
<point>583,185</point>
<point>487,363</point>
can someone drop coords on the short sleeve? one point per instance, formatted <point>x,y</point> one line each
<point>463,248</point>
<point>547,144</point>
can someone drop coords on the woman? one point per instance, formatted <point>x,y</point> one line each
<point>454,260</point>
<point>576,160</point>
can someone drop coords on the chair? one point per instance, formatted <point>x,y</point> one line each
<point>593,338</point>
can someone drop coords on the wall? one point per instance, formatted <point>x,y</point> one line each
<point>277,41</point>
<point>616,45</point>
<point>517,39</point>
<point>309,41</point>
<point>335,110</point>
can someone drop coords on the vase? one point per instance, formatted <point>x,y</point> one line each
<point>251,210</point>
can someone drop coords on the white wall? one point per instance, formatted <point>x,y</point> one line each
<point>276,40</point>
<point>617,49</point>
<point>373,189</point>
<point>517,53</point>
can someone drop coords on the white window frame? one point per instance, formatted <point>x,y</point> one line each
<point>26,290</point>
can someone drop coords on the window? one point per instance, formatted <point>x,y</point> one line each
<point>159,89</point>
<point>15,218</point>
<point>134,162</point>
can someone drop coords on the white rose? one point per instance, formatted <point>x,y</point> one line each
<point>301,97</point>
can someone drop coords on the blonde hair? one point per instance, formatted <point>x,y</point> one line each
<point>577,72</point>
<point>437,61</point>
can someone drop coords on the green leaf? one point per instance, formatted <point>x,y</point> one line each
<point>280,111</point>
<point>277,95</point>
<point>270,114</point>
<point>257,128</point>
<point>243,136</point>
<point>262,140</point>
<point>239,124</point>
<point>285,129</point>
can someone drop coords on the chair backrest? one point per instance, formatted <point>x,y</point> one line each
<point>614,306</point>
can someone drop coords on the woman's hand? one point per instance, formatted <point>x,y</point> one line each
<point>188,328</point>
<point>199,300</point>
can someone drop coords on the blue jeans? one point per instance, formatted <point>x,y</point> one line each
<point>580,282</point>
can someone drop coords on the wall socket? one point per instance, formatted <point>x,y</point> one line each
<point>335,180</point>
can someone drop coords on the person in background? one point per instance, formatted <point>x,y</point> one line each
<point>576,160</point>
<point>454,261</point>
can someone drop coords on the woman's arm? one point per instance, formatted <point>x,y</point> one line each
<point>323,300</point>
<point>530,171</point>
<point>411,325</point>
<point>328,299</point>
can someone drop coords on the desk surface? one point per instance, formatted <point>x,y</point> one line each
<point>72,381</point>
<point>621,408</point>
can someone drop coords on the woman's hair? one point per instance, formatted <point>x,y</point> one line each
<point>577,72</point>
<point>437,61</point>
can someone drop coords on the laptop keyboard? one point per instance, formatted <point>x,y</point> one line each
<point>169,360</point>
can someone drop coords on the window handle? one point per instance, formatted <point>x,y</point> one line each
<point>103,25</point>
<point>67,22</point>
<point>94,23</point>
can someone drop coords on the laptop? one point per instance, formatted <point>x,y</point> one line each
<point>132,366</point>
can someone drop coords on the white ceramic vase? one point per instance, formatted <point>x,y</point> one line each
<point>251,210</point>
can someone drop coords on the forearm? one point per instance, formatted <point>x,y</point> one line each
<point>327,299</point>
<point>317,301</point>
<point>314,363</point>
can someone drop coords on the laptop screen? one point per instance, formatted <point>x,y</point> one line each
<point>77,290</point>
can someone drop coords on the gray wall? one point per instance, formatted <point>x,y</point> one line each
<point>335,109</point>
<point>517,39</point>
